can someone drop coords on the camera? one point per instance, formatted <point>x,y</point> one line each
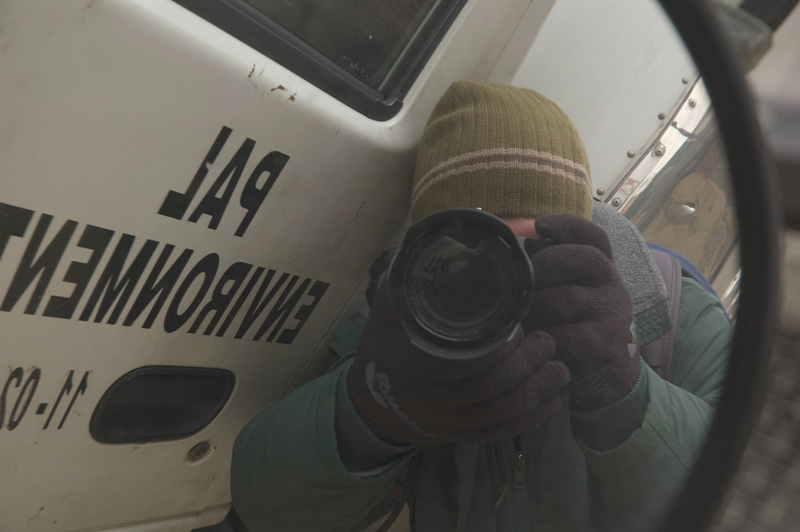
<point>461,283</point>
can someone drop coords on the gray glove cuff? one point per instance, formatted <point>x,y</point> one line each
<point>360,449</point>
<point>608,427</point>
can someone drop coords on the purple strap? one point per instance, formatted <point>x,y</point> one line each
<point>658,353</point>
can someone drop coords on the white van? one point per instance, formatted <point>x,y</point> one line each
<point>193,191</point>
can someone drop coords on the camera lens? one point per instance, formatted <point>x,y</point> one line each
<point>460,283</point>
<point>456,283</point>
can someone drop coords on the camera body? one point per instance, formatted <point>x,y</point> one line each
<point>461,283</point>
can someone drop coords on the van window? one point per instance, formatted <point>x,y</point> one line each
<point>366,53</point>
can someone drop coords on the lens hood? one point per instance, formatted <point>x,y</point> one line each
<point>460,283</point>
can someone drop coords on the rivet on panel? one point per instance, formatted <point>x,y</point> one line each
<point>616,202</point>
<point>661,116</point>
<point>631,154</point>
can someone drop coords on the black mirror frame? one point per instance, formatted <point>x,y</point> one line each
<point>758,212</point>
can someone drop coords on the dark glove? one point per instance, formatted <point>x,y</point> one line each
<point>408,396</point>
<point>582,302</point>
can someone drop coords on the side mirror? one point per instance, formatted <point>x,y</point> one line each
<point>758,211</point>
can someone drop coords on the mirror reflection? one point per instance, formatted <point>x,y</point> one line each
<point>251,192</point>
<point>609,386</point>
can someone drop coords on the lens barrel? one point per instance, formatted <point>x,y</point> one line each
<point>460,283</point>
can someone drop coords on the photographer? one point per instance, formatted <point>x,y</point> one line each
<point>563,428</point>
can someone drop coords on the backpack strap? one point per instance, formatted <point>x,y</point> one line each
<point>687,267</point>
<point>658,353</point>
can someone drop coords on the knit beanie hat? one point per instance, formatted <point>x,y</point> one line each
<point>508,150</point>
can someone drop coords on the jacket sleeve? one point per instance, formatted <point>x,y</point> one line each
<point>286,473</point>
<point>640,478</point>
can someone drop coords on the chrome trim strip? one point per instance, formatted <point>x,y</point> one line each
<point>679,195</point>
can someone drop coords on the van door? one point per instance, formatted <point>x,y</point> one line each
<point>188,208</point>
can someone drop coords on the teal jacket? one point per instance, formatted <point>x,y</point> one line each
<point>287,472</point>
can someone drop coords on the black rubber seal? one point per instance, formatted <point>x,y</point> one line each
<point>258,31</point>
<point>758,212</point>
<point>772,12</point>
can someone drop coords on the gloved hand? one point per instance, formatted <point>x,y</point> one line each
<point>582,302</point>
<point>408,396</point>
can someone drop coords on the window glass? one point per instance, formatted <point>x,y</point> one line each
<point>366,53</point>
<point>366,38</point>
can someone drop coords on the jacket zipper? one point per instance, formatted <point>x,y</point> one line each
<point>514,497</point>
<point>520,489</point>
<point>500,482</point>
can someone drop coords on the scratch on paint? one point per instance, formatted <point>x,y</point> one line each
<point>278,88</point>
<point>364,202</point>
<point>359,209</point>
<point>41,509</point>
<point>291,98</point>
<point>250,75</point>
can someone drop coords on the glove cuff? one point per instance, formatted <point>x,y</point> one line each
<point>360,449</point>
<point>608,427</point>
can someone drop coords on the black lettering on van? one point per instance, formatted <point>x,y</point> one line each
<point>258,304</point>
<point>213,205</point>
<point>13,222</point>
<point>80,390</point>
<point>114,287</point>
<point>79,273</point>
<point>113,282</point>
<point>176,203</point>
<point>226,288</point>
<point>24,398</point>
<point>16,375</point>
<point>252,195</point>
<point>218,196</point>
<point>317,290</point>
<point>66,390</point>
<point>16,408</point>
<point>157,287</point>
<point>240,301</point>
<point>28,269</point>
<point>280,312</point>
<point>207,267</point>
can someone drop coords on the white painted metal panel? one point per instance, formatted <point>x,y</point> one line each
<point>613,67</point>
<point>107,108</point>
